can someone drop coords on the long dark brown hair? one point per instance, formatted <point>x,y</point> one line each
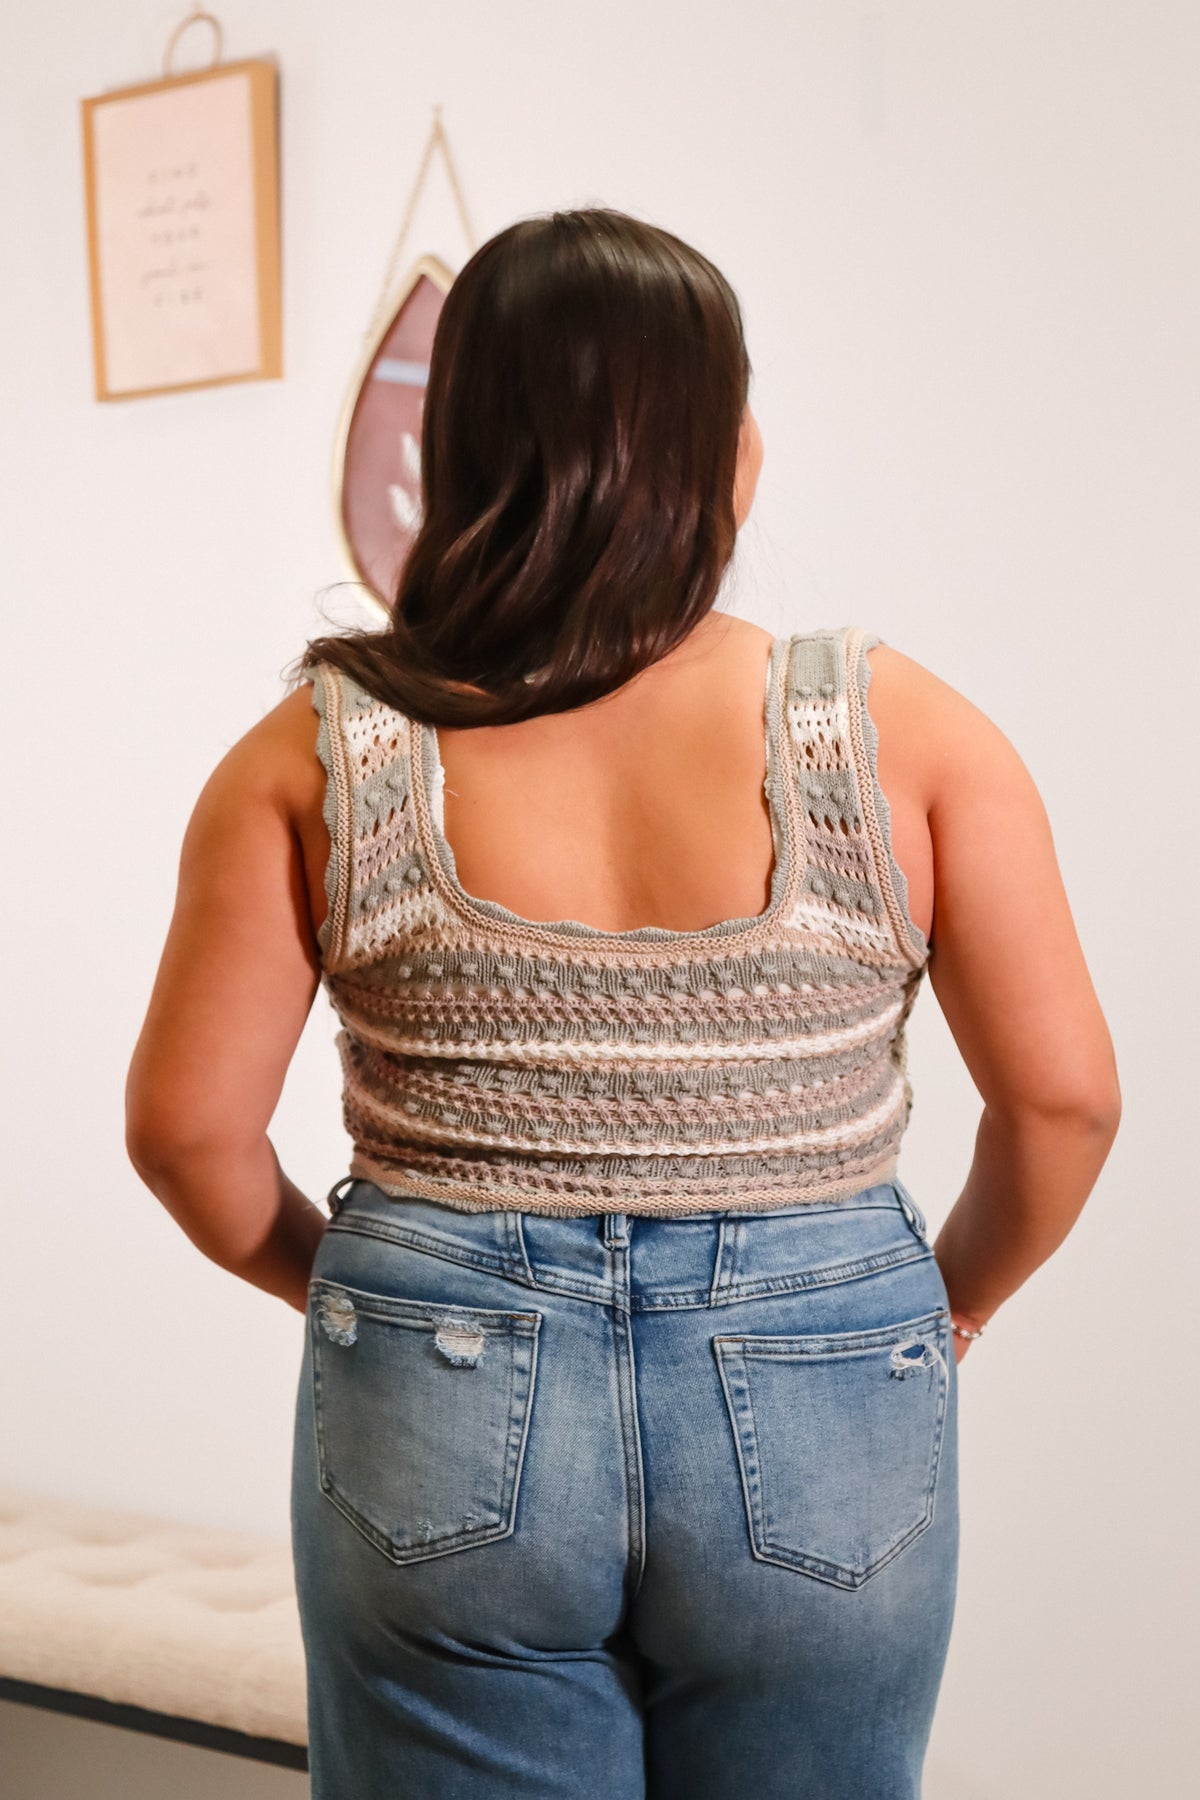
<point>579,449</point>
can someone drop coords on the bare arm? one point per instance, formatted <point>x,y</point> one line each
<point>1009,974</point>
<point>235,984</point>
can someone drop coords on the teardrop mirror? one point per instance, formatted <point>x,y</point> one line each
<point>377,461</point>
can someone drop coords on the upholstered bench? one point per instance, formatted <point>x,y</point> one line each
<point>180,1630</point>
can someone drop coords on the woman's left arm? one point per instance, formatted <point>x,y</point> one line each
<point>235,984</point>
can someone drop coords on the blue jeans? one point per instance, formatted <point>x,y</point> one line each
<point>617,1506</point>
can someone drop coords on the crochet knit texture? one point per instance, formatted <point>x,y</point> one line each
<point>493,1062</point>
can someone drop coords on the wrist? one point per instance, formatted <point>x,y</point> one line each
<point>967,1325</point>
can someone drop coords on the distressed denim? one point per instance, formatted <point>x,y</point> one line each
<point>619,1507</point>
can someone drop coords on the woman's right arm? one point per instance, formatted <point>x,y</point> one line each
<point>1009,973</point>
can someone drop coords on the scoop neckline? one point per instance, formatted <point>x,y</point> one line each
<point>782,806</point>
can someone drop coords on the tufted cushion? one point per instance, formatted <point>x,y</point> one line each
<point>182,1619</point>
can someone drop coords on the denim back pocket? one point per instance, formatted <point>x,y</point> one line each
<point>839,1439</point>
<point>422,1415</point>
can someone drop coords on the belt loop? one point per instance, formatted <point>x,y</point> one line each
<point>912,1211</point>
<point>615,1229</point>
<point>333,1199</point>
<point>730,1235</point>
<point>516,1250</point>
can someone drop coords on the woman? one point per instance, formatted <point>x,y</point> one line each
<point>626,1429</point>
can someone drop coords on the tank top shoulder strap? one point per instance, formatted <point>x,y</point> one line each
<point>890,878</point>
<point>853,880</point>
<point>365,748</point>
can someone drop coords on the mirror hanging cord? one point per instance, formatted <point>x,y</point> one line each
<point>197,16</point>
<point>437,135</point>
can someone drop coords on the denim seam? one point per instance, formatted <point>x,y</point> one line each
<point>631,1445</point>
<point>520,1448</point>
<point>749,1470</point>
<point>491,1263</point>
<point>815,1209</point>
<point>574,1287</point>
<point>832,1275</point>
<point>815,1345</point>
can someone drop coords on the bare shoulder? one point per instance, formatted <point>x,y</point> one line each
<point>951,746</point>
<point>265,799</point>
<point>1006,961</point>
<point>291,728</point>
<point>277,756</point>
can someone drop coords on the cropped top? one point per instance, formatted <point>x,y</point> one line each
<point>490,1061</point>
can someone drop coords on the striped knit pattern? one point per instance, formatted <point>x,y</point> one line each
<point>490,1061</point>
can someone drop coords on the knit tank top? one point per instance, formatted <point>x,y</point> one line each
<point>492,1062</point>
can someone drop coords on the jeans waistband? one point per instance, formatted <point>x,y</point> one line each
<point>691,1259</point>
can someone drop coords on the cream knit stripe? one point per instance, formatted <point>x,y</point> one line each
<point>418,913</point>
<point>374,739</point>
<point>829,929</point>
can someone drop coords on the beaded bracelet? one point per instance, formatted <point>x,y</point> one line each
<point>963,1332</point>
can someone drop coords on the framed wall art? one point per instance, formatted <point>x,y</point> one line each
<point>182,187</point>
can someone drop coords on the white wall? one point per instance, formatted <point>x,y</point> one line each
<point>966,242</point>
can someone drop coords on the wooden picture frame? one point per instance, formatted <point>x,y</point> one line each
<point>376,461</point>
<point>182,185</point>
